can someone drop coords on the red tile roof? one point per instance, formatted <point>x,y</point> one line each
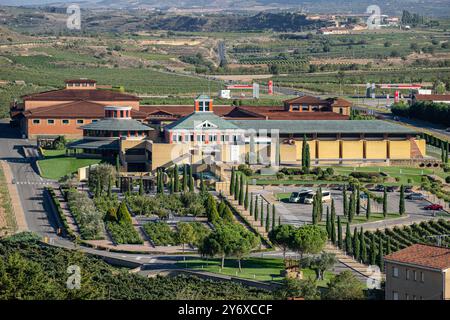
<point>422,255</point>
<point>306,99</point>
<point>76,109</point>
<point>80,81</point>
<point>84,94</point>
<point>432,97</point>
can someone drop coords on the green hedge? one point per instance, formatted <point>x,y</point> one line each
<point>123,233</point>
<point>61,215</point>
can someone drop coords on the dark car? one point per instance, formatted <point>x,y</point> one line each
<point>434,207</point>
<point>408,190</point>
<point>379,187</point>
<point>415,196</point>
<point>391,189</point>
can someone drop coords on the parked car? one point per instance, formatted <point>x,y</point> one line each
<point>434,207</point>
<point>408,189</point>
<point>415,196</point>
<point>363,196</point>
<point>298,197</point>
<point>391,189</point>
<point>379,188</point>
<point>309,198</point>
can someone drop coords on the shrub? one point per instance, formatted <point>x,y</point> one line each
<point>123,233</point>
<point>447,179</point>
<point>365,175</point>
<point>160,234</point>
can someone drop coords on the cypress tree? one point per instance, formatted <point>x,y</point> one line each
<point>319,205</point>
<point>304,152</point>
<point>246,200</point>
<point>117,170</point>
<point>273,217</point>
<point>236,187</point>
<point>314,211</point>
<point>141,187</point>
<point>340,242</point>
<point>98,190</point>
<point>241,191</point>
<point>328,223</point>
<point>251,204</point>
<point>358,201</point>
<point>373,251</point>
<point>279,220</point>
<point>356,245</point>
<point>385,203</point>
<point>267,217</point>
<point>363,246</point>
<point>333,222</point>
<point>348,240</point>
<point>352,207</point>
<point>176,179</point>
<point>388,245</point>
<point>402,201</point>
<point>202,184</point>
<point>256,210</point>
<point>380,259</point>
<point>261,214</point>
<point>307,158</point>
<point>368,209</point>
<point>191,180</point>
<point>232,182</point>
<point>172,184</point>
<point>185,178</point>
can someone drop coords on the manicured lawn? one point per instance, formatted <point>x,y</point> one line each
<point>252,268</point>
<point>373,217</point>
<point>57,165</point>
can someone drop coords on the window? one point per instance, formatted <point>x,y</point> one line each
<point>180,138</point>
<point>295,107</point>
<point>394,295</point>
<point>407,274</point>
<point>224,138</point>
<point>415,275</point>
<point>36,121</point>
<point>341,110</point>
<point>192,137</point>
<point>65,121</point>
<point>395,272</point>
<point>305,107</point>
<point>50,121</point>
<point>406,296</point>
<point>422,277</point>
<point>80,121</point>
<point>213,137</point>
<point>95,120</point>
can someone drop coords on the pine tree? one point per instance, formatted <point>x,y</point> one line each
<point>273,217</point>
<point>333,222</point>
<point>373,251</point>
<point>241,191</point>
<point>402,201</point>
<point>348,240</point>
<point>356,245</point>
<point>368,209</point>
<point>340,242</point>
<point>363,246</point>
<point>191,180</point>
<point>385,203</point>
<point>267,217</point>
<point>232,182</point>
<point>246,200</point>
<point>328,223</point>
<point>176,179</point>
<point>380,259</point>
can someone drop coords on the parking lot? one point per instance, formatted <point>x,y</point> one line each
<point>299,213</point>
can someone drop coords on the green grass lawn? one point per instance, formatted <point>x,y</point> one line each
<point>252,268</point>
<point>56,165</point>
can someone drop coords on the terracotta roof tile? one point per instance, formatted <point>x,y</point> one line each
<point>84,94</point>
<point>422,255</point>
<point>432,97</point>
<point>76,109</point>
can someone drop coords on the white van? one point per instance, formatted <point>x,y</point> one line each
<point>309,198</point>
<point>298,197</point>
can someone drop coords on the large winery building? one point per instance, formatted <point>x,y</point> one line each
<point>110,123</point>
